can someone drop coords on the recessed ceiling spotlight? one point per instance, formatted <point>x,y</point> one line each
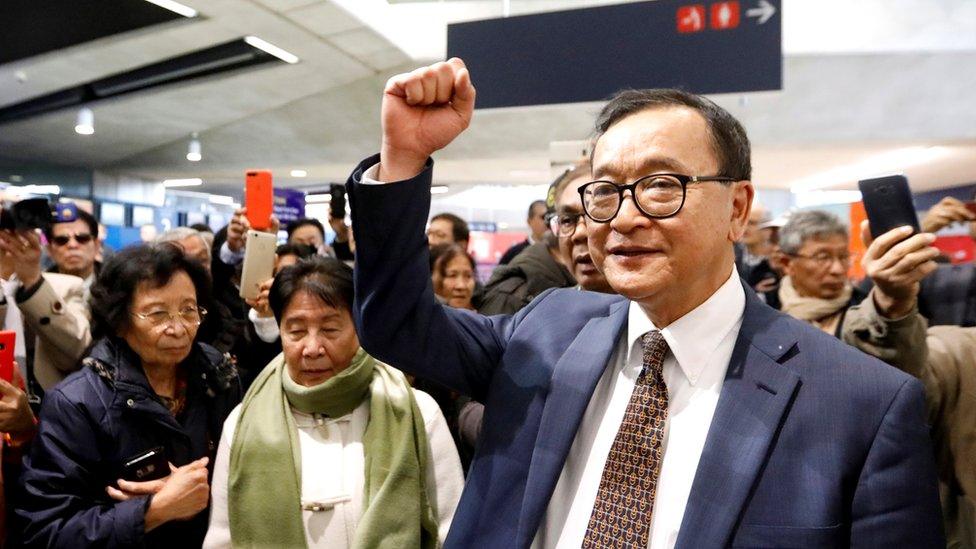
<point>193,151</point>
<point>85,123</point>
<point>439,189</point>
<point>299,173</point>
<point>268,47</point>
<point>185,11</point>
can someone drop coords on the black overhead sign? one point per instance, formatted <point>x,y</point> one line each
<point>588,54</point>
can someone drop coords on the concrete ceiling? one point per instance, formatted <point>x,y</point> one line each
<point>876,85</point>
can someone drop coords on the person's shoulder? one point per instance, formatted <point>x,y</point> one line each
<point>63,282</point>
<point>428,407</point>
<point>581,300</point>
<point>81,390</point>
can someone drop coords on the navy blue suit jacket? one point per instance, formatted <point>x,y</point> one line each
<point>812,442</point>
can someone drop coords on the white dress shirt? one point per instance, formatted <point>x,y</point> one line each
<point>700,345</point>
<point>333,465</point>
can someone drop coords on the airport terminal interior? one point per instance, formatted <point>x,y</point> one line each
<point>245,131</point>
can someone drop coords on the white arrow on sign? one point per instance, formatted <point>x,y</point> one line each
<point>763,12</point>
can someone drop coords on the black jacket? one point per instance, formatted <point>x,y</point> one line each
<point>513,286</point>
<point>97,419</point>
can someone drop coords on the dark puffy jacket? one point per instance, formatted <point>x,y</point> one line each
<point>515,285</point>
<point>99,418</point>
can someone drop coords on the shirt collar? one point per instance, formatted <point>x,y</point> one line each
<point>694,337</point>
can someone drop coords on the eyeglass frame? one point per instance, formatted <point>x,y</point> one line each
<point>683,179</point>
<point>555,216</point>
<point>173,316</point>
<point>73,236</point>
<point>827,260</point>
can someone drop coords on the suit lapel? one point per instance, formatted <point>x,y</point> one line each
<point>756,396</point>
<point>573,382</point>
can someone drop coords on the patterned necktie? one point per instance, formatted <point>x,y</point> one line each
<point>621,516</point>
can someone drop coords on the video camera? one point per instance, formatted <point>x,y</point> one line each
<point>36,213</point>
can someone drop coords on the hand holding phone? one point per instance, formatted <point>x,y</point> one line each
<point>888,203</point>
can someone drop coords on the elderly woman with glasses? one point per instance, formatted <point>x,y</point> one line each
<point>330,447</point>
<point>124,447</point>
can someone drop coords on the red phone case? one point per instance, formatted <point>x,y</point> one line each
<point>7,342</point>
<point>259,199</point>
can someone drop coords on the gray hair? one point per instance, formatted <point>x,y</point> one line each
<point>180,233</point>
<point>805,225</point>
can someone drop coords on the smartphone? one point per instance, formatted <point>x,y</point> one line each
<point>888,203</point>
<point>258,198</point>
<point>7,341</point>
<point>259,257</point>
<point>337,202</point>
<point>151,465</point>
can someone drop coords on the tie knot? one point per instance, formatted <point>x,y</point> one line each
<point>655,347</point>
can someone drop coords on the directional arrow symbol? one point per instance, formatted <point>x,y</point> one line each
<point>764,11</point>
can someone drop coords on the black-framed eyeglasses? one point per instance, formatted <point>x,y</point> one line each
<point>657,195</point>
<point>80,238</point>
<point>563,224</point>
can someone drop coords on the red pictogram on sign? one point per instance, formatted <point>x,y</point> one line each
<point>691,18</point>
<point>725,15</point>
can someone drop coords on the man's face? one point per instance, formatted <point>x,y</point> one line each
<point>441,231</point>
<point>195,249</point>
<point>668,265</point>
<point>537,221</point>
<point>819,269</point>
<point>753,235</point>
<point>73,248</point>
<point>573,248</point>
<point>308,235</point>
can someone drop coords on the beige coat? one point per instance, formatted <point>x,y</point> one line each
<point>59,316</point>
<point>944,359</point>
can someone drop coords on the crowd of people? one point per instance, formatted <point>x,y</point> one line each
<point>660,363</point>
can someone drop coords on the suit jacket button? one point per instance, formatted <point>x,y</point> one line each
<point>44,321</point>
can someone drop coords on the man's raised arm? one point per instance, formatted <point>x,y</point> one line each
<point>397,318</point>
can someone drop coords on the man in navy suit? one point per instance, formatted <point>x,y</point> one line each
<point>683,412</point>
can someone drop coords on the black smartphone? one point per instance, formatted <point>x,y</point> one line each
<point>150,465</point>
<point>888,203</point>
<point>337,202</point>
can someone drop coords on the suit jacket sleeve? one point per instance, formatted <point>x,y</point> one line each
<point>58,314</point>
<point>895,503</point>
<point>398,320</point>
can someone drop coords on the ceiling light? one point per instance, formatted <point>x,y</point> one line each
<point>85,123</point>
<point>185,11</point>
<point>299,173</point>
<point>317,198</point>
<point>193,151</point>
<point>33,189</point>
<point>191,182</point>
<point>893,161</point>
<point>268,47</point>
<point>222,199</point>
<point>439,189</point>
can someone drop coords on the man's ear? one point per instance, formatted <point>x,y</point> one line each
<point>742,194</point>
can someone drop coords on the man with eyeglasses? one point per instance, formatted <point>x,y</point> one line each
<point>814,254</point>
<point>567,223</point>
<point>74,246</point>
<point>683,412</point>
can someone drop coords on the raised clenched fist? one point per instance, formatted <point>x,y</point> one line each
<point>423,111</point>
